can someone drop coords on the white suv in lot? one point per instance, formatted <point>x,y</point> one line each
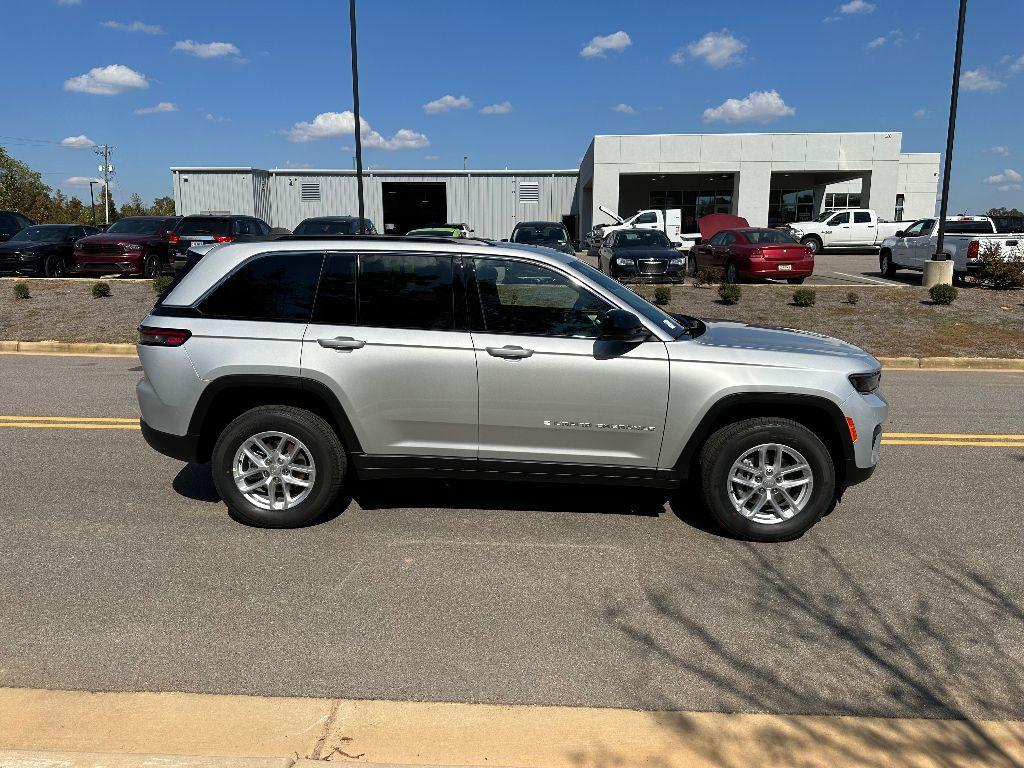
<point>291,364</point>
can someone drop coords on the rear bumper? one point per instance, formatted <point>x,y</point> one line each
<point>180,447</point>
<point>771,269</point>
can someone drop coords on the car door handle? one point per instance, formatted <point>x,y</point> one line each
<point>509,352</point>
<point>341,343</point>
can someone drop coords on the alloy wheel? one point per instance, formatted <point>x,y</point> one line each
<point>273,470</point>
<point>770,483</point>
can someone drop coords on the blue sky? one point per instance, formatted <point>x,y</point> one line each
<point>233,82</point>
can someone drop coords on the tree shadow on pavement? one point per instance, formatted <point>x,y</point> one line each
<point>931,640</point>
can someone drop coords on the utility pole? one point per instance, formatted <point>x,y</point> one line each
<point>355,111</point>
<point>104,151</point>
<point>92,202</point>
<point>939,268</point>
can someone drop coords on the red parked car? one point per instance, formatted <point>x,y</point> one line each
<point>136,245</point>
<point>743,253</point>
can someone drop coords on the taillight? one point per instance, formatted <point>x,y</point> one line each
<point>224,238</point>
<point>173,239</point>
<point>162,337</point>
<point>972,249</point>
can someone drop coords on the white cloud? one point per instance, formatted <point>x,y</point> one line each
<point>214,50</point>
<point>624,109</point>
<point>1017,64</point>
<point>107,81</point>
<point>330,125</point>
<point>895,37</point>
<point>78,142</point>
<point>1009,187</point>
<point>69,2</point>
<point>497,109</point>
<point>446,104</point>
<point>1008,175</point>
<point>758,106</point>
<point>133,26</point>
<point>163,106</point>
<point>856,6</point>
<point>716,49</point>
<point>980,80</point>
<point>431,157</point>
<point>217,118</point>
<point>878,41</point>
<point>602,44</point>
<point>290,164</point>
<point>80,181</point>
<point>998,150</point>
<point>920,114</point>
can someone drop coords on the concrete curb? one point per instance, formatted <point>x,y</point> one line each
<point>17,758</point>
<point>68,348</point>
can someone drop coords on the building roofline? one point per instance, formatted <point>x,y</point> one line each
<point>747,133</point>
<point>386,172</point>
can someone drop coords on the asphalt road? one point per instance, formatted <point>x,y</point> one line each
<point>122,571</point>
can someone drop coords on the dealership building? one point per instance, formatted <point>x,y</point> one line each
<point>768,178</point>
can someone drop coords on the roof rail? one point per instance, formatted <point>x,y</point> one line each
<point>390,238</point>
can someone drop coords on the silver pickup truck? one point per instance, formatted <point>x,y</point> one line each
<point>965,238</point>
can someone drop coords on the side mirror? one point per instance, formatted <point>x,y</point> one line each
<point>620,325</point>
<point>901,233</point>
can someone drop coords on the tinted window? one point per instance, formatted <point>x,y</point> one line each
<point>42,234</point>
<point>647,218</point>
<point>546,234</point>
<point>136,226</point>
<point>861,217</point>
<point>759,236</point>
<point>728,238</point>
<point>22,221</point>
<point>717,239</point>
<point>313,227</point>
<point>246,227</point>
<point>529,300</point>
<point>276,287</point>
<point>968,228</point>
<point>840,218</point>
<point>1006,224</point>
<point>336,297</point>
<point>8,223</point>
<point>264,228</point>
<point>405,291</point>
<point>914,230</point>
<point>204,226</point>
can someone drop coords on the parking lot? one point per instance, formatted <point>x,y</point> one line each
<point>125,573</point>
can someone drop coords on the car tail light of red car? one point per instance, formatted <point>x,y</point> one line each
<point>224,238</point>
<point>162,337</point>
<point>173,239</point>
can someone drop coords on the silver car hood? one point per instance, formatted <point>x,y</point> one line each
<point>733,335</point>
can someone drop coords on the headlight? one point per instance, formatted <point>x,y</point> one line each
<point>866,383</point>
<point>131,247</point>
<point>677,262</point>
<point>625,262</point>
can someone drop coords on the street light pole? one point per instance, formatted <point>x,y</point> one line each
<point>940,254</point>
<point>355,111</point>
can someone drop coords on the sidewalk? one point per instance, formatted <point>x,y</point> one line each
<point>117,730</point>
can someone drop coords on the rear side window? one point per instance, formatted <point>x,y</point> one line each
<point>204,226</point>
<point>336,298</point>
<point>276,287</point>
<point>861,217</point>
<point>406,291</point>
<point>8,224</point>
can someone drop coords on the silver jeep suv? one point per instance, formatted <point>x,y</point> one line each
<point>291,365</point>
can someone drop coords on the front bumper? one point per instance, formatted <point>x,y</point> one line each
<point>22,264</point>
<point>672,274</point>
<point>868,413</point>
<point>95,264</point>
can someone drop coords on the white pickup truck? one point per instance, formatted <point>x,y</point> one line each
<point>964,239</point>
<point>669,222</point>
<point>849,228</point>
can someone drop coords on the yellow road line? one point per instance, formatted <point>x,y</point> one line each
<point>78,425</point>
<point>961,443</point>
<point>949,436</point>
<point>69,418</point>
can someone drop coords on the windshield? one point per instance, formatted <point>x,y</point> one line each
<point>666,322</point>
<point>135,227</point>
<point>40,235</point>
<point>204,226</point>
<point>650,238</point>
<point>326,228</point>
<point>530,234</point>
<point>824,215</point>
<point>762,236</point>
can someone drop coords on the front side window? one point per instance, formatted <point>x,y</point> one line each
<point>839,218</point>
<point>277,287</point>
<point>914,230</point>
<point>646,218</point>
<point>717,239</point>
<point>406,291</point>
<point>522,299</point>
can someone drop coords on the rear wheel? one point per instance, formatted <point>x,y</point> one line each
<point>278,466</point>
<point>886,265</point>
<point>732,275</point>
<point>814,243</point>
<point>766,479</point>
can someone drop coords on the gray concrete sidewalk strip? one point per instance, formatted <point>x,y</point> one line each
<point>31,759</point>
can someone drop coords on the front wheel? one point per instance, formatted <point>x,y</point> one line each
<point>766,479</point>
<point>814,244</point>
<point>886,265</point>
<point>55,266</point>
<point>151,266</point>
<point>278,466</point>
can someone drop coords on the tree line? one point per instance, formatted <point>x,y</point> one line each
<point>22,189</point>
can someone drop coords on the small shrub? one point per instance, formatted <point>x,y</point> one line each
<point>805,297</point>
<point>943,294</point>
<point>729,293</point>
<point>662,294</point>
<point>1001,271</point>
<point>707,275</point>
<point>160,284</point>
<point>100,290</point>
<point>21,290</point>
<point>852,297</point>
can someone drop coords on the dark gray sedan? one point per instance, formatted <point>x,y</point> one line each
<point>548,234</point>
<point>641,255</point>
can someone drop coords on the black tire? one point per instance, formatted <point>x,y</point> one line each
<point>796,280</point>
<point>318,436</point>
<point>732,275</point>
<point>814,243</point>
<point>885,265</point>
<point>55,265</point>
<point>959,278</point>
<point>731,442</point>
<point>151,266</point>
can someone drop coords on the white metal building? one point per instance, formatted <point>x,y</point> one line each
<point>766,178</point>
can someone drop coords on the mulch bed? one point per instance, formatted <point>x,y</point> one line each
<point>886,321</point>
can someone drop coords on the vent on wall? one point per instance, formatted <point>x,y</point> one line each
<point>529,192</point>
<point>310,192</point>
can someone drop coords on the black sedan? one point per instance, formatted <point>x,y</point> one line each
<point>43,249</point>
<point>549,234</point>
<point>641,255</point>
